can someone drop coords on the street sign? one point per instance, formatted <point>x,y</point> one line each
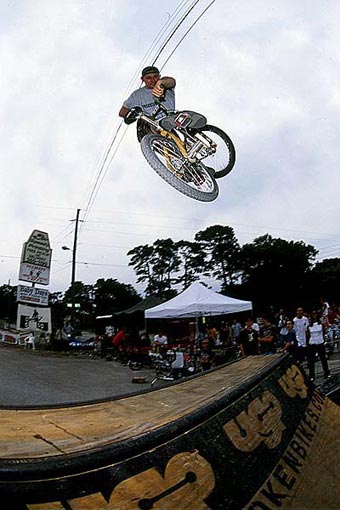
<point>34,274</point>
<point>32,295</point>
<point>34,318</point>
<point>36,259</point>
<point>37,250</point>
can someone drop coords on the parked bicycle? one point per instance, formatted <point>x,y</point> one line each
<point>174,365</point>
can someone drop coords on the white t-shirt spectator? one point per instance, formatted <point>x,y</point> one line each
<point>300,328</point>
<point>160,340</point>
<point>316,334</point>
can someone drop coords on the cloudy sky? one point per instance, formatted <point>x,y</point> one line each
<point>265,71</point>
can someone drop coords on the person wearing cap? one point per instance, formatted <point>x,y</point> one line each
<point>155,87</point>
<point>206,355</point>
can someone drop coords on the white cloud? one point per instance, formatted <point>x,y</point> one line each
<point>267,73</point>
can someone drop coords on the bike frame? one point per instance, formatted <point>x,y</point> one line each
<point>196,145</point>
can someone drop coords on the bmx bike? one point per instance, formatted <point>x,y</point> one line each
<point>184,150</point>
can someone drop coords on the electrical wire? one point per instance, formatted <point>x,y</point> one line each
<point>173,32</point>
<point>108,157</point>
<point>186,33</point>
<point>100,176</point>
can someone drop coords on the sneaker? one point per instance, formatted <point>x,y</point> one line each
<point>328,376</point>
<point>311,379</point>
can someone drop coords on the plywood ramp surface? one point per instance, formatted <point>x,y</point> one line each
<point>56,431</point>
<point>252,435</point>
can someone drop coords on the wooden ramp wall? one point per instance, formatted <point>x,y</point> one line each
<point>254,434</point>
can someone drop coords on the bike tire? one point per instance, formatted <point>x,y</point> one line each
<point>223,161</point>
<point>153,145</point>
<point>135,365</point>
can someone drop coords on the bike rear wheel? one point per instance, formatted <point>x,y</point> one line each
<point>223,160</point>
<point>191,179</point>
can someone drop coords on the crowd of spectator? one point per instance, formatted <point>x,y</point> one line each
<point>303,335</point>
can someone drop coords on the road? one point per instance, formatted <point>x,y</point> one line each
<point>42,378</point>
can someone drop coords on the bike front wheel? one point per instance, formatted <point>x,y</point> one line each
<point>191,179</point>
<point>222,161</point>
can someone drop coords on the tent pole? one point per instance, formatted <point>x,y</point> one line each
<point>196,327</point>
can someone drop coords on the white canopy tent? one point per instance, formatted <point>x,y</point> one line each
<point>197,301</point>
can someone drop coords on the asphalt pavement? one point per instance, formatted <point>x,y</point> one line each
<point>41,378</point>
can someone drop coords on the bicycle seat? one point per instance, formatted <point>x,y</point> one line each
<point>183,119</point>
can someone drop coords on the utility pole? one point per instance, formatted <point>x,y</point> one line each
<point>74,259</point>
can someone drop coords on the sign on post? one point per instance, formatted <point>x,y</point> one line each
<point>32,295</point>
<point>36,259</point>
<point>34,318</point>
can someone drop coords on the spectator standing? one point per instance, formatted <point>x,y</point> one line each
<point>300,322</point>
<point>256,326</point>
<point>316,346</point>
<point>267,338</point>
<point>225,335</point>
<point>206,355</point>
<point>282,328</point>
<point>118,341</point>
<point>324,310</point>
<point>248,339</point>
<point>332,327</point>
<point>68,331</point>
<point>212,333</point>
<point>291,342</point>
<point>235,331</point>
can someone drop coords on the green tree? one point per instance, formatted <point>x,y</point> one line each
<point>192,262</point>
<point>58,309</point>
<point>141,263</point>
<point>156,265</point>
<point>105,297</point>
<point>8,304</point>
<point>111,296</point>
<point>165,264</point>
<point>274,271</point>
<point>222,249</point>
<point>82,295</point>
<point>324,281</point>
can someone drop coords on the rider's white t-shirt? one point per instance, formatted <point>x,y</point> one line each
<point>143,97</point>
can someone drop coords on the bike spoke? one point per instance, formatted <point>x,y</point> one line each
<point>193,175</point>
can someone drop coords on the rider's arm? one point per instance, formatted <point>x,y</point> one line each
<point>168,82</point>
<point>123,111</point>
<point>164,83</point>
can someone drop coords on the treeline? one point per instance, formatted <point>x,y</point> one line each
<point>272,272</point>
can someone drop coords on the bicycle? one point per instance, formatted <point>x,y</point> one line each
<point>174,365</point>
<point>184,150</point>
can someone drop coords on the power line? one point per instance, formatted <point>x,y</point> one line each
<point>174,31</point>
<point>186,33</point>
<point>97,183</point>
<point>106,161</point>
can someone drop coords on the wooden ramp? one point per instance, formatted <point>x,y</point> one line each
<point>254,434</point>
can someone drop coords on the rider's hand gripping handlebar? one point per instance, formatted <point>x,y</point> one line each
<point>133,114</point>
